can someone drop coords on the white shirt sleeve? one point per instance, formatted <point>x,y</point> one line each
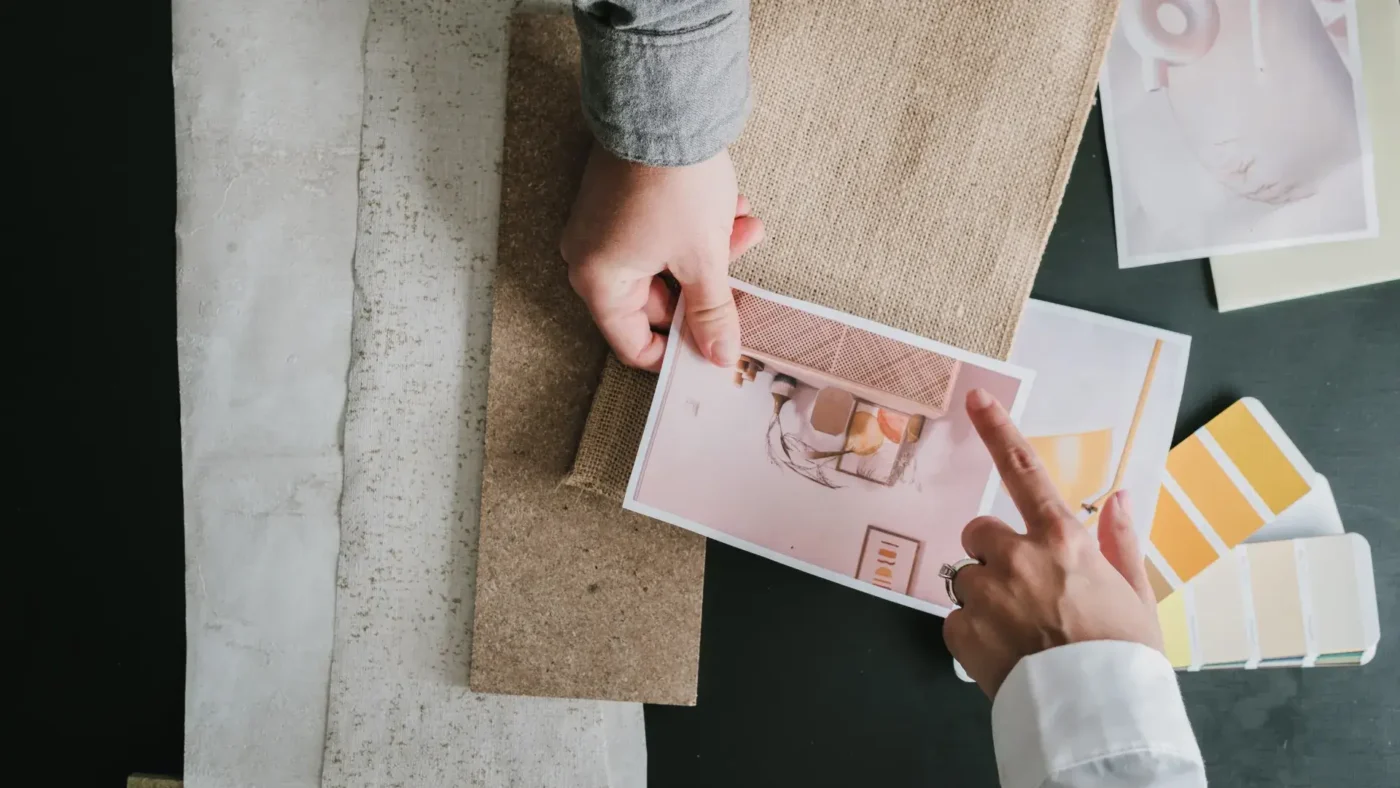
<point>1102,714</point>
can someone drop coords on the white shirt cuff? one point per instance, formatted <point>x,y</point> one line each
<point>1092,707</point>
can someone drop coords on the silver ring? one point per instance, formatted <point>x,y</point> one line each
<point>949,573</point>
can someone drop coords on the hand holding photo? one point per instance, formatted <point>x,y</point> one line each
<point>836,446</point>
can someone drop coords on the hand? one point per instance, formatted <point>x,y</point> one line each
<point>1055,584</point>
<point>630,222</point>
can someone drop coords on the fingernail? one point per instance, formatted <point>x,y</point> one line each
<point>979,399</point>
<point>724,352</point>
<point>1125,502</point>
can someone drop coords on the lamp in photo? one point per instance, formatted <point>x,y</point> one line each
<point>873,393</point>
<point>1078,462</point>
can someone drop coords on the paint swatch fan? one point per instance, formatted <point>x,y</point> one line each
<point>1296,603</point>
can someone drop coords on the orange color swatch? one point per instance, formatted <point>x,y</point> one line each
<point>1178,539</point>
<point>1210,489</point>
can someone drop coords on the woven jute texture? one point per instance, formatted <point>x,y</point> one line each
<point>907,158</point>
<point>574,597</point>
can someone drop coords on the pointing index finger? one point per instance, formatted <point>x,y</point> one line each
<point>1021,471</point>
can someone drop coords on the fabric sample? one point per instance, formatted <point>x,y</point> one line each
<point>574,596</point>
<point>400,711</point>
<point>907,168</point>
<point>267,144</point>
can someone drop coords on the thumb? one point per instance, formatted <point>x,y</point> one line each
<point>709,311</point>
<point>748,231</point>
<point>1119,544</point>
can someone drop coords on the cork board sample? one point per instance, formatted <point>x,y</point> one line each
<point>574,596</point>
<point>908,159</point>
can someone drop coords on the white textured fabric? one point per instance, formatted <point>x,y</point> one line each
<point>268,128</point>
<point>267,125</point>
<point>400,712</point>
<point>1103,714</point>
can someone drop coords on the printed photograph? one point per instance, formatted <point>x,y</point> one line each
<point>836,446</point>
<point>1104,410</point>
<point>1235,125</point>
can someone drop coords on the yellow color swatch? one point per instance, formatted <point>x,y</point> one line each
<point>1258,457</point>
<point>1178,540</point>
<point>1176,633</point>
<point>1215,496</point>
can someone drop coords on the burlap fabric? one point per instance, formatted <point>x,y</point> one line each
<point>574,597</point>
<point>908,158</point>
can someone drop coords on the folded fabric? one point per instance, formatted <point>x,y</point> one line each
<point>574,597</point>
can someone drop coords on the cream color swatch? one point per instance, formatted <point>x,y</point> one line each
<point>1278,608</point>
<point>1223,635</point>
<point>1244,280</point>
<point>1328,560</point>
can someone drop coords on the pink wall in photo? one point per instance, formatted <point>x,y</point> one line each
<point>708,463</point>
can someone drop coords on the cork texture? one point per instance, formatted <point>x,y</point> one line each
<point>574,596</point>
<point>908,159</point>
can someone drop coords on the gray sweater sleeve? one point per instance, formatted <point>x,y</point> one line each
<point>665,82</point>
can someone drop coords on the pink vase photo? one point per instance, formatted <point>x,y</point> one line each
<point>1261,96</point>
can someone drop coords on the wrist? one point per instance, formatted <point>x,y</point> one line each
<point>665,97</point>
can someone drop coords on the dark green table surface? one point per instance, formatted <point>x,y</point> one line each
<point>803,682</point>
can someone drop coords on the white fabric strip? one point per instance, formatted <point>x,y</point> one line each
<point>267,130</point>
<point>400,712</point>
<point>1233,472</point>
<point>1170,486</point>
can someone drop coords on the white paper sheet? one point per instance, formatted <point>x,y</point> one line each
<point>399,711</point>
<point>1091,373</point>
<point>1315,514</point>
<point>1245,280</point>
<point>267,97</point>
<point>1235,125</point>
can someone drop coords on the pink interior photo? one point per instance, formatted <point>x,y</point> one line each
<point>829,444</point>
